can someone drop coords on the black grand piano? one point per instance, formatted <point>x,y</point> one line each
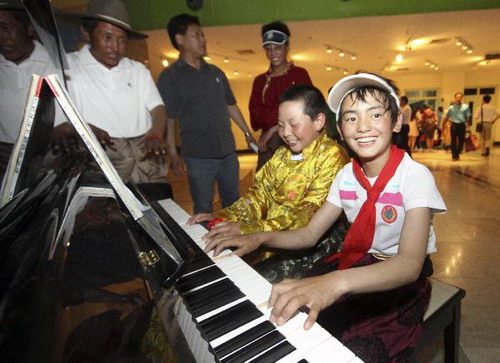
<point>93,270</point>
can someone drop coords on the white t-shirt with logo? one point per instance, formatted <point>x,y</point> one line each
<point>412,186</point>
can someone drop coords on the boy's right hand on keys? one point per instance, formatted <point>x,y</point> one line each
<point>198,218</point>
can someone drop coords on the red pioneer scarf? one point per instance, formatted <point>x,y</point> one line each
<point>359,238</point>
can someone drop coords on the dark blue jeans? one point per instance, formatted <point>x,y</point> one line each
<point>203,173</point>
<point>457,138</point>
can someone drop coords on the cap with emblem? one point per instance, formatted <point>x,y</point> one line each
<point>274,37</point>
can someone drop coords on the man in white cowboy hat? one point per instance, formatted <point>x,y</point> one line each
<point>117,95</point>
<point>21,55</point>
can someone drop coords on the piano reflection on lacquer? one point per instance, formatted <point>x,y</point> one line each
<point>95,270</point>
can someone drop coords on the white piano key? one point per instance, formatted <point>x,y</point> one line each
<point>355,360</point>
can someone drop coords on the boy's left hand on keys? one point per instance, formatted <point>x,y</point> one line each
<point>224,230</point>
<point>241,244</point>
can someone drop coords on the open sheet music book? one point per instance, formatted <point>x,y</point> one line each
<point>135,207</point>
<point>25,155</point>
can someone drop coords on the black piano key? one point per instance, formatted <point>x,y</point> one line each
<point>199,278</point>
<point>207,292</point>
<point>229,294</point>
<point>229,319</point>
<point>244,338</point>
<point>217,302</point>
<point>200,261</point>
<point>275,354</point>
<point>254,347</point>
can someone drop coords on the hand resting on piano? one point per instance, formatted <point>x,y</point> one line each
<point>220,229</point>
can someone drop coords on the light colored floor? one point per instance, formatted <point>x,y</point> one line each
<point>468,243</point>
<point>469,248</point>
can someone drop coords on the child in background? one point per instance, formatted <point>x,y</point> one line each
<point>373,294</point>
<point>430,121</point>
<point>293,184</point>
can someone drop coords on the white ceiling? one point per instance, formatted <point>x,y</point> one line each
<point>374,40</point>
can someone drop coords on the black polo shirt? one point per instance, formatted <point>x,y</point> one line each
<point>199,99</point>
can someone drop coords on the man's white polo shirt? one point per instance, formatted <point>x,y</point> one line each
<point>118,100</point>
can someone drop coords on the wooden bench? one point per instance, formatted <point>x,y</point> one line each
<point>443,317</point>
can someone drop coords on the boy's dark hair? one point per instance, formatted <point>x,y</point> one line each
<point>379,94</point>
<point>179,25</point>
<point>276,25</point>
<point>314,102</point>
<point>440,108</point>
<point>404,99</point>
<point>487,98</point>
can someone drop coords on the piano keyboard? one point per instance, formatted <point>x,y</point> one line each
<point>224,316</point>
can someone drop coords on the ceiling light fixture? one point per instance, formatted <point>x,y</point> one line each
<point>164,63</point>
<point>399,57</point>
<point>464,44</point>
<point>431,64</point>
<point>341,52</point>
<point>328,68</point>
<point>226,60</point>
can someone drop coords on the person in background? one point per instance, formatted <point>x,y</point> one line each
<point>487,115</point>
<point>198,96</point>
<point>268,87</point>
<point>372,295</point>
<point>414,133</point>
<point>460,116</point>
<point>402,139</point>
<point>116,96</point>
<point>292,185</point>
<point>439,115</point>
<point>429,122</point>
<point>21,55</point>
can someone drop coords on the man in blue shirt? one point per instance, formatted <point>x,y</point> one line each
<point>459,114</point>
